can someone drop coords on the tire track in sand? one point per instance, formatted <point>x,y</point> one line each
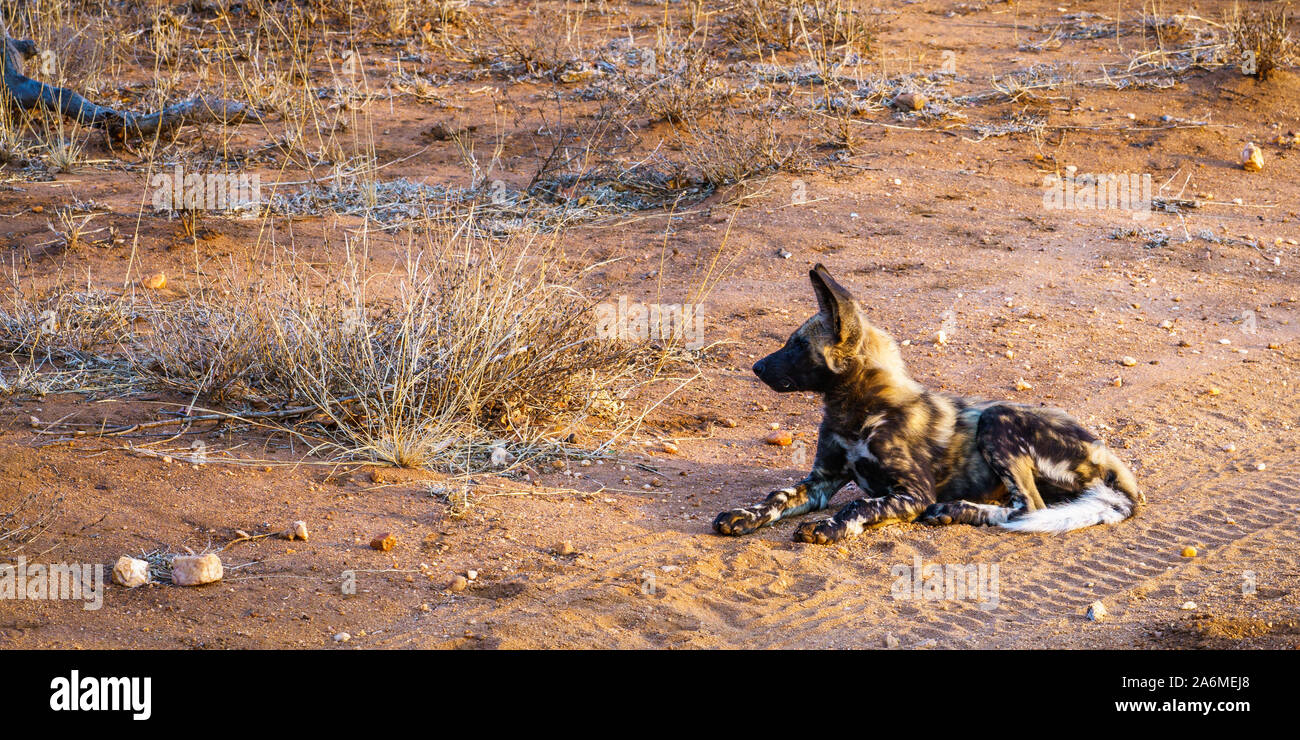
<point>1125,557</point>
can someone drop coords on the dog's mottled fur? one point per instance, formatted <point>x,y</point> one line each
<point>921,455</point>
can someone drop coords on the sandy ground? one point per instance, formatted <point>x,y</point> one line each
<point>932,228</point>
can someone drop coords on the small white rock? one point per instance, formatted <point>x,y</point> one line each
<point>500,457</point>
<point>1188,606</point>
<point>1097,611</point>
<point>130,572</point>
<point>342,637</point>
<point>1252,158</point>
<point>298,531</point>
<point>196,570</point>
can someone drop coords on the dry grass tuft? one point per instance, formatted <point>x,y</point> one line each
<point>26,522</point>
<point>479,344</point>
<point>731,148</point>
<point>1261,39</point>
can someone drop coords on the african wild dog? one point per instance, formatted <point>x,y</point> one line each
<point>922,455</point>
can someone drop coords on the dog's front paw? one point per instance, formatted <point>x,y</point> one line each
<point>819,533</point>
<point>737,522</point>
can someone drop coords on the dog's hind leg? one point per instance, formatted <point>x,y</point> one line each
<point>965,512</point>
<point>1001,439</point>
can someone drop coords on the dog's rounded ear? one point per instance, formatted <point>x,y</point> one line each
<point>834,300</point>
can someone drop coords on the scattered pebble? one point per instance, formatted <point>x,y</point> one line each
<point>780,438</point>
<point>670,448</point>
<point>891,642</point>
<point>342,637</point>
<point>1023,385</point>
<point>909,101</point>
<point>565,548</point>
<point>1252,158</point>
<point>729,423</point>
<point>297,531</point>
<point>500,457</point>
<point>1189,552</point>
<point>1097,611</point>
<point>1188,606</point>
<point>458,583</point>
<point>1127,361</point>
<point>156,281</point>
<point>383,542</point>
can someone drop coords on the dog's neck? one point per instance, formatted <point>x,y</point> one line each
<point>868,391</point>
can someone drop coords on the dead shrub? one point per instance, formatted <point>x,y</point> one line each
<point>474,344</point>
<point>846,25</point>
<point>733,147</point>
<point>682,83</point>
<point>1261,39</point>
<point>62,323</point>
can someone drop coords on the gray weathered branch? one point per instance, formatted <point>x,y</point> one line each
<point>28,94</point>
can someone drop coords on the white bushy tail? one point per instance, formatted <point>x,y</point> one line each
<point>1099,504</point>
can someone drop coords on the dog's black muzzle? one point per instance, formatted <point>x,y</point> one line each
<point>775,371</point>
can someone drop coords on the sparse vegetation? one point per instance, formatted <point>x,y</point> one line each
<point>477,333</point>
<point>1261,38</point>
<point>479,345</point>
